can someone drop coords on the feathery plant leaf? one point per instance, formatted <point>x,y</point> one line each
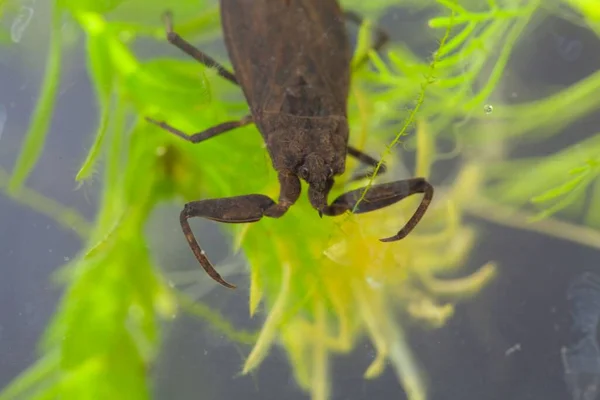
<point>98,56</point>
<point>40,121</point>
<point>554,182</point>
<point>320,284</point>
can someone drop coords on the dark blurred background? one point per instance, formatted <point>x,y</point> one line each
<point>505,344</point>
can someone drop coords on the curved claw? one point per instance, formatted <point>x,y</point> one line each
<point>239,209</point>
<point>383,195</point>
<point>392,238</point>
<point>199,253</point>
<point>249,208</point>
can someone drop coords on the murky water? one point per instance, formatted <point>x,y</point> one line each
<point>512,341</point>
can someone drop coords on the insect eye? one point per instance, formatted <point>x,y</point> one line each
<point>303,172</point>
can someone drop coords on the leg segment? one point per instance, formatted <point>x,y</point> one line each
<point>192,51</point>
<point>381,39</point>
<point>366,159</point>
<point>383,195</point>
<point>206,134</point>
<point>239,209</point>
<point>198,55</point>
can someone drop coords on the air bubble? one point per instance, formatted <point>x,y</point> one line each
<point>488,108</point>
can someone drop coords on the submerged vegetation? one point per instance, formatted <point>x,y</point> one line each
<point>319,284</point>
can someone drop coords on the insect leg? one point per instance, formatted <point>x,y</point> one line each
<point>381,39</point>
<point>366,159</point>
<point>182,44</point>
<point>238,209</point>
<point>206,134</point>
<point>383,195</point>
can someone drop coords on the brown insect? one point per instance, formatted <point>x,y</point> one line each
<point>292,60</point>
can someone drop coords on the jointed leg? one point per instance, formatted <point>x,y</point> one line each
<point>198,55</point>
<point>366,159</point>
<point>206,134</point>
<point>383,195</point>
<point>381,39</point>
<point>239,209</point>
<point>235,209</point>
<point>192,51</point>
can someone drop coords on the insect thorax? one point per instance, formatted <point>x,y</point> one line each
<point>290,139</point>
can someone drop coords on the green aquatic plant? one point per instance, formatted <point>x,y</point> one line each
<point>474,60</point>
<point>543,192</point>
<point>320,285</point>
<point>562,179</point>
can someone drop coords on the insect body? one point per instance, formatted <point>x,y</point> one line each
<point>292,60</point>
